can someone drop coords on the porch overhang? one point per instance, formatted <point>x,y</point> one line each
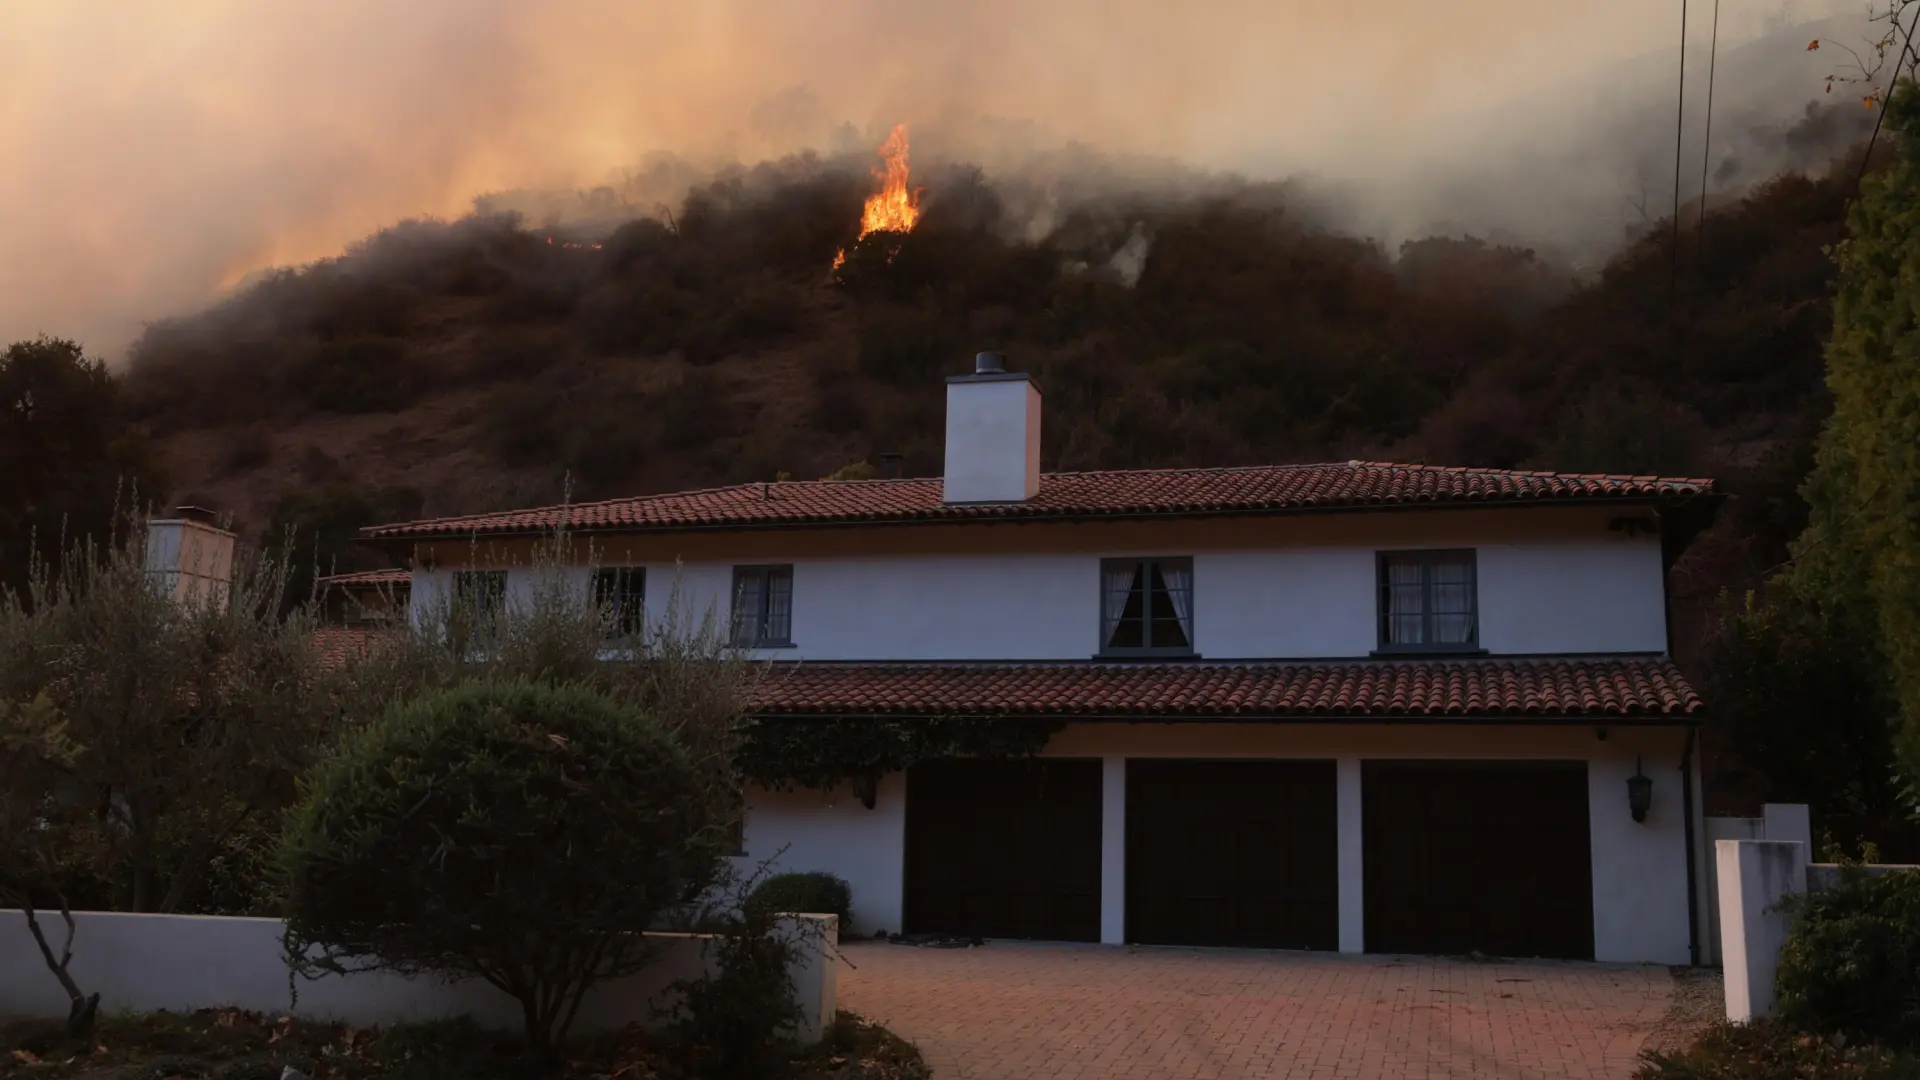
<point>1613,691</point>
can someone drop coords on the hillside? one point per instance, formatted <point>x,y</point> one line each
<point>451,367</point>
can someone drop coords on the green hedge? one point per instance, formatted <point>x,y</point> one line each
<point>1851,963</point>
<point>810,894</point>
<point>1775,1050</point>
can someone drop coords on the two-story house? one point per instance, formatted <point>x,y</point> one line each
<point>1353,706</point>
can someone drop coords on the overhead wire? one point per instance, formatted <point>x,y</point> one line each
<point>1706,137</point>
<point>1679,127</point>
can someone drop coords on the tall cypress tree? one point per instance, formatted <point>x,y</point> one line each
<point>1860,556</point>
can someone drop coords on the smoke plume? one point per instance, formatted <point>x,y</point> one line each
<point>159,151</point>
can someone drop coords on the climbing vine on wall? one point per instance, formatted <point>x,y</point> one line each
<point>781,754</point>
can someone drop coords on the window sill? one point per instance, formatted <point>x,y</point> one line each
<point>1436,652</point>
<point>764,645</point>
<point>1147,655</point>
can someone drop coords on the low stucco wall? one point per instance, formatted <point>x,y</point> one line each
<point>1827,875</point>
<point>1777,821</point>
<point>144,963</point>
<point>1753,877</point>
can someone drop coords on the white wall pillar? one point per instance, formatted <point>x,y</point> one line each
<point>1113,850</point>
<point>1754,876</point>
<point>1789,821</point>
<point>1352,865</point>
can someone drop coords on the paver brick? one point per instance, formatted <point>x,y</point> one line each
<point>1008,1011</point>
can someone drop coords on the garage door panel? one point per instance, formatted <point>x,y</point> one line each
<point>1232,853</point>
<point>1004,849</point>
<point>1492,857</point>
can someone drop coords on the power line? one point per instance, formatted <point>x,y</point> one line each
<point>1706,139</point>
<point>1679,125</point>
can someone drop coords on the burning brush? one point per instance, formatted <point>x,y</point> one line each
<point>895,207</point>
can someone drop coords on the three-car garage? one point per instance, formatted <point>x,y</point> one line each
<point>1455,856</point>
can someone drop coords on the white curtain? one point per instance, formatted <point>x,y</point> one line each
<point>1452,602</point>
<point>746,609</point>
<point>1406,609</point>
<point>1116,584</point>
<point>1179,579</point>
<point>779,606</point>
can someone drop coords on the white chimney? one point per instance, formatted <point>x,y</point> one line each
<point>191,558</point>
<point>993,435</point>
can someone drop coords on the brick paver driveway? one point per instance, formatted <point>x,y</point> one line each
<point>1084,1012</point>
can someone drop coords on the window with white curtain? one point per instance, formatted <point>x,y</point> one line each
<point>621,592</point>
<point>482,593</point>
<point>1146,607</point>
<point>762,606</point>
<point>1429,601</point>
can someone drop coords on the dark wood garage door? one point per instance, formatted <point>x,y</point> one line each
<point>1233,853</point>
<point>1007,849</point>
<point>1491,857</point>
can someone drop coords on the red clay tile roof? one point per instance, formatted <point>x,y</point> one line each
<point>1621,689</point>
<point>341,644</point>
<point>1156,492</point>
<point>368,577</point>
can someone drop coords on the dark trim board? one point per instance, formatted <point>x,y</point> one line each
<point>1492,857</point>
<point>1004,849</point>
<point>1239,852</point>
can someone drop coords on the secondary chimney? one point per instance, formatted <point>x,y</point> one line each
<point>190,557</point>
<point>993,435</point>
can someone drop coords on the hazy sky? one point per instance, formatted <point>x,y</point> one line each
<point>155,152</point>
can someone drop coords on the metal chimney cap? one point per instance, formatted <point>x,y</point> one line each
<point>989,363</point>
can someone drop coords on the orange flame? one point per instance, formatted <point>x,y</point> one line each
<point>895,207</point>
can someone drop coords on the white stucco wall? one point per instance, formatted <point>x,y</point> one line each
<point>1639,869</point>
<point>1576,594</point>
<point>803,831</point>
<point>143,963</point>
<point>993,440</point>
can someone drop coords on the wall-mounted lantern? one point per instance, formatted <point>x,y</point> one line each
<point>1639,792</point>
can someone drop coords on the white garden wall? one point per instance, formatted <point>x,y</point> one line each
<point>1777,821</point>
<point>1753,877</point>
<point>144,963</point>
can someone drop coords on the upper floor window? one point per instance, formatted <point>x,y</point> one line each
<point>1429,601</point>
<point>762,606</point>
<point>483,592</point>
<point>1146,607</point>
<point>621,591</point>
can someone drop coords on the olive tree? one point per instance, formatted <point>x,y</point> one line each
<point>675,664</point>
<point>189,715</point>
<point>519,832</point>
<point>36,760</point>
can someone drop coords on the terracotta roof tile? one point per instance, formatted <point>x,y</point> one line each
<point>343,644</point>
<point>367,577</point>
<point>1624,688</point>
<point>1155,492</point>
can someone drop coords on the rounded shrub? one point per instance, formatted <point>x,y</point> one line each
<point>814,893</point>
<point>515,832</point>
<point>1852,957</point>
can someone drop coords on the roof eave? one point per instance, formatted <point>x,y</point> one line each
<point>1660,500</point>
<point>1689,719</point>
